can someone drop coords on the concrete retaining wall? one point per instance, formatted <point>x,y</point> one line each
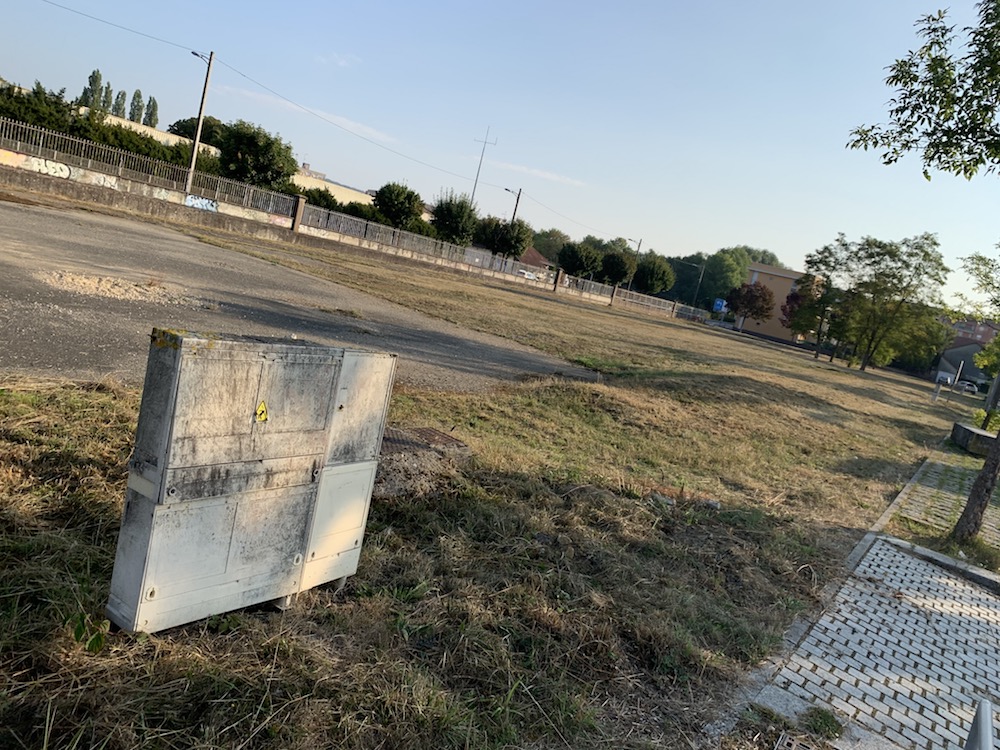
<point>972,439</point>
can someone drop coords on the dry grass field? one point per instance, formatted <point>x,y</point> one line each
<point>599,574</point>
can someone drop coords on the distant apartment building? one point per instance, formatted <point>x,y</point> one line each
<point>781,282</point>
<point>981,332</point>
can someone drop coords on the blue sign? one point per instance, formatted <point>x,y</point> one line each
<point>719,306</point>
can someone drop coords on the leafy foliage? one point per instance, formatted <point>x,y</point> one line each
<point>509,239</point>
<point>988,359</point>
<point>398,204</point>
<point>212,129</point>
<point>251,154</point>
<point>46,109</point>
<point>945,102</point>
<point>617,267</point>
<point>152,116</point>
<point>653,274</point>
<point>879,280</point>
<point>93,92</point>
<point>118,108</point>
<point>549,242</point>
<point>579,259</point>
<point>754,301</point>
<point>322,198</point>
<point>137,107</point>
<point>454,218</point>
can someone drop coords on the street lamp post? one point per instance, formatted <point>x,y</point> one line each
<point>201,118</point>
<point>637,249</point>
<point>701,275</point>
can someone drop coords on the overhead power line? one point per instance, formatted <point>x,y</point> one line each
<point>313,112</point>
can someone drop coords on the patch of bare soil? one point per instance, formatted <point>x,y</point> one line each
<point>11,198</point>
<point>115,288</point>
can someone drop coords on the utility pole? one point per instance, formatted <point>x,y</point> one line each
<point>485,142</point>
<point>637,249</point>
<point>201,117</point>
<point>516,202</point>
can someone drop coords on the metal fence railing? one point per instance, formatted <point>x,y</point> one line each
<point>67,149</point>
<point>79,152</point>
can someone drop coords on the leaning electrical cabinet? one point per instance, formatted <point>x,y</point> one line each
<point>251,476</point>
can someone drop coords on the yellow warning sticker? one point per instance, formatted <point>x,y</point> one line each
<point>261,412</point>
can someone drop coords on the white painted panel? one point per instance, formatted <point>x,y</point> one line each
<point>339,520</point>
<point>360,406</point>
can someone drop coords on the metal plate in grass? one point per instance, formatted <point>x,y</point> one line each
<point>789,742</point>
<point>397,440</point>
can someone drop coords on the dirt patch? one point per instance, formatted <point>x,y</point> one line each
<point>151,290</point>
<point>11,198</point>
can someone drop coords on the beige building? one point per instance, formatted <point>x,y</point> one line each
<point>781,281</point>
<point>308,179</point>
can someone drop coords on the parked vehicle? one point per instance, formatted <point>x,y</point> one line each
<point>964,386</point>
<point>944,379</point>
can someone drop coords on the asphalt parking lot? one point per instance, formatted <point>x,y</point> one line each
<point>81,291</point>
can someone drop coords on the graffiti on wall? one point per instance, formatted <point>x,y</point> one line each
<point>10,159</point>
<point>97,179</point>
<point>47,166</point>
<point>205,204</point>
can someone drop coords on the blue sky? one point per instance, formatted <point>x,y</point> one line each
<point>693,126</point>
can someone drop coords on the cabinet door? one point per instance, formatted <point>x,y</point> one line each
<point>338,524</point>
<point>360,404</point>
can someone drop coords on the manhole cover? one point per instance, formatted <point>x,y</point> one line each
<point>396,440</point>
<point>788,742</point>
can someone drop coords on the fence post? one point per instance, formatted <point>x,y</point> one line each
<point>300,207</point>
<point>614,292</point>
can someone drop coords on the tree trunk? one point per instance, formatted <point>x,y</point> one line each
<point>979,496</point>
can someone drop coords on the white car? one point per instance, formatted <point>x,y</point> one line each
<point>964,386</point>
<point>527,274</point>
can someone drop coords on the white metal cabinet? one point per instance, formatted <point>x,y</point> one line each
<point>251,476</point>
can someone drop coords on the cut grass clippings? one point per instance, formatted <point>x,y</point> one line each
<point>600,572</point>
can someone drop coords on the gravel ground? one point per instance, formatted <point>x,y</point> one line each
<point>81,291</point>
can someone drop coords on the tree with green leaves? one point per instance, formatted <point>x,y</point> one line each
<point>919,337</point>
<point>152,116</point>
<point>580,260</point>
<point>137,108</point>
<point>944,104</point>
<point>617,267</point>
<point>93,92</point>
<point>725,269</point>
<point>213,130</point>
<point>107,98</point>
<point>806,310</point>
<point>754,301</point>
<point>251,154</point>
<point>549,242</point>
<point>988,358</point>
<point>398,204</point>
<point>45,109</point>
<point>454,218</point>
<point>515,238</point>
<point>118,108</point>
<point>884,277</point>
<point>653,274</point>
<point>687,273</point>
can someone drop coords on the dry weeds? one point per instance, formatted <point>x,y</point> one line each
<point>571,585</point>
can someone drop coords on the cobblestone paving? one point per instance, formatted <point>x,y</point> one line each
<point>906,649</point>
<point>937,496</point>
